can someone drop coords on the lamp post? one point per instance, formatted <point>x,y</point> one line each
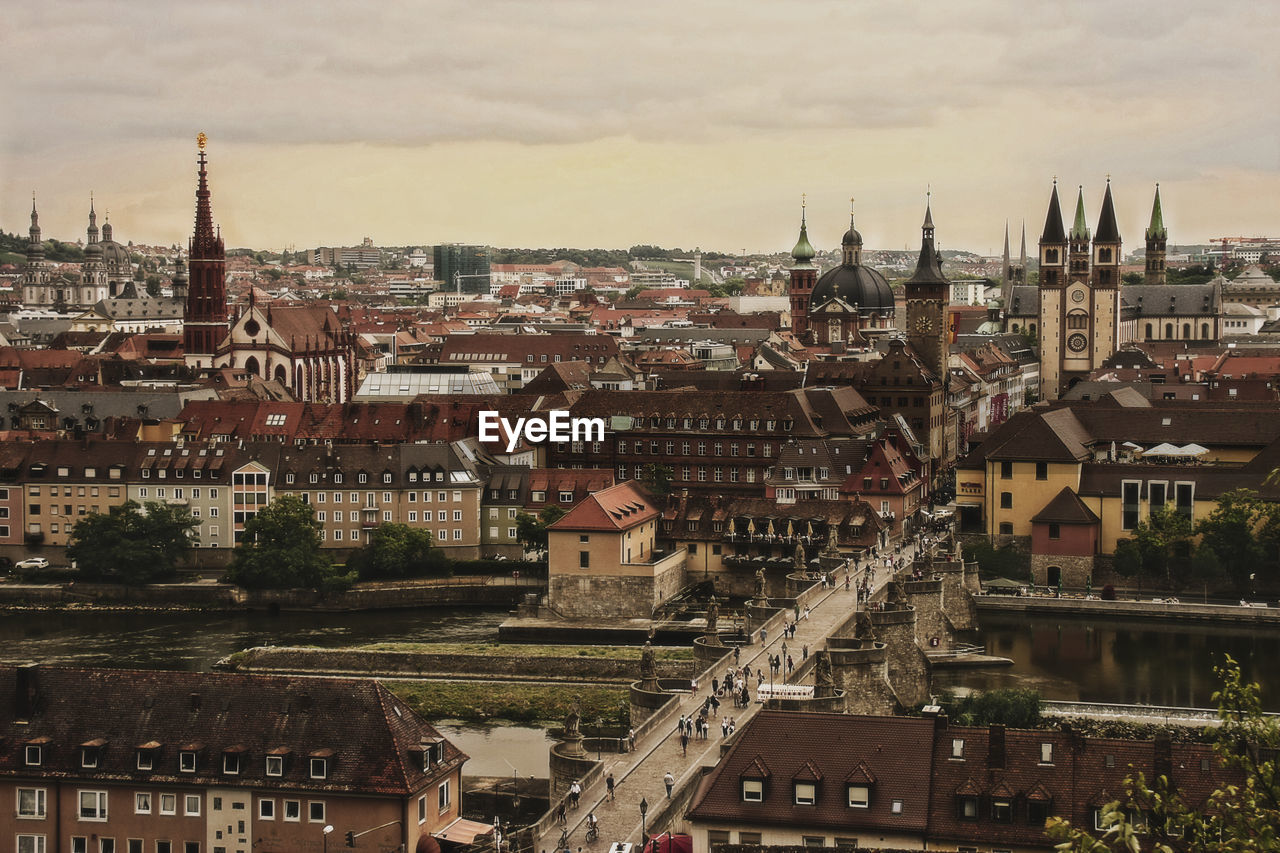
<point>325,835</point>
<point>599,735</point>
<point>644,831</point>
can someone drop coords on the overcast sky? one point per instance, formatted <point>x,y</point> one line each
<point>673,122</point>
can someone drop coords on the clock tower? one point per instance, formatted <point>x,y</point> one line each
<point>927,293</point>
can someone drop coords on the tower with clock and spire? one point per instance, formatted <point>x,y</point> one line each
<point>1079,294</point>
<point>804,273</point>
<point>927,293</point>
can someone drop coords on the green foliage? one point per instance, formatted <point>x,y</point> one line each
<point>657,479</point>
<point>153,285</point>
<point>1238,531</point>
<point>1005,561</point>
<point>1131,278</point>
<point>1197,274</point>
<point>131,545</point>
<point>532,532</point>
<point>522,703</point>
<point>1163,543</point>
<point>280,549</point>
<point>632,292</point>
<point>1016,708</point>
<point>1234,819</point>
<point>398,551</point>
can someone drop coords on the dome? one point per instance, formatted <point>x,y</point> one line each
<point>851,237</point>
<point>113,254</point>
<point>858,286</point>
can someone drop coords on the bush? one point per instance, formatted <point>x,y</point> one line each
<point>1017,708</point>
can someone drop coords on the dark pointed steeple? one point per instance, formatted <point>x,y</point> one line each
<point>35,246</point>
<point>92,232</point>
<point>1054,232</point>
<point>929,264</point>
<point>1157,240</point>
<point>1108,232</point>
<point>205,316</point>
<point>1022,256</point>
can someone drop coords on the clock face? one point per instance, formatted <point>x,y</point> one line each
<point>924,324</point>
<point>1077,342</point>
<point>1077,296</point>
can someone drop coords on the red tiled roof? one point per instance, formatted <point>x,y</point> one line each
<point>619,507</point>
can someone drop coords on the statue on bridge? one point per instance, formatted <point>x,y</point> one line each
<point>798,558</point>
<point>760,593</point>
<point>573,718</point>
<point>648,668</point>
<point>823,680</point>
<point>713,621</point>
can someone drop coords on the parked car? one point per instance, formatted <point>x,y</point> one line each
<point>32,563</point>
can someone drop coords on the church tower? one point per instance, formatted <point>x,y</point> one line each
<point>1157,238</point>
<point>205,316</point>
<point>93,272</point>
<point>1105,284</point>
<point>35,272</point>
<point>1053,280</point>
<point>803,275</point>
<point>927,293</point>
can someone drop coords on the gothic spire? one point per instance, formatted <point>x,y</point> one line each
<point>1006,247</point>
<point>1156,230</point>
<point>1053,230</point>
<point>1022,257</point>
<point>1108,232</point>
<point>205,236</point>
<point>93,223</point>
<point>1080,228</point>
<point>35,246</point>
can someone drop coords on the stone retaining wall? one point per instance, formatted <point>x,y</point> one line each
<point>1225,613</point>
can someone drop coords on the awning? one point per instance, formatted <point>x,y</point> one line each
<point>463,831</point>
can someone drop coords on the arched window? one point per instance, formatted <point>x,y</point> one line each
<point>251,365</point>
<point>1148,331</point>
<point>1186,331</point>
<point>1168,331</point>
<point>1204,330</point>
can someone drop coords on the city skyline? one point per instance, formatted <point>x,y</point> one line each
<point>585,126</point>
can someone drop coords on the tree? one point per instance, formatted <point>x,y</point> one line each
<point>398,551</point>
<point>280,549</point>
<point>657,479</point>
<point>132,544</point>
<point>1015,707</point>
<point>532,532</point>
<point>1235,818</point>
<point>1230,530</point>
<point>153,285</point>
<point>1163,542</point>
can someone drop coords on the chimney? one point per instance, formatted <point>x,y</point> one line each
<point>1163,755</point>
<point>27,692</point>
<point>995,748</point>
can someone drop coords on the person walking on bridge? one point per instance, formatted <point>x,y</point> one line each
<point>670,782</point>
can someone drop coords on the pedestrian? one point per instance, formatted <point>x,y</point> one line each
<point>724,728</point>
<point>846,581</point>
<point>575,792</point>
<point>804,654</point>
<point>609,783</point>
<point>631,740</point>
<point>764,635</point>
<point>806,611</point>
<point>791,665</point>
<point>560,816</point>
<point>715,685</point>
<point>670,782</point>
<point>684,743</point>
<point>715,707</point>
<point>737,654</point>
<point>680,725</point>
<point>733,725</point>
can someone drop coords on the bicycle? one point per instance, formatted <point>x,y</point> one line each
<point>563,844</point>
<point>593,830</point>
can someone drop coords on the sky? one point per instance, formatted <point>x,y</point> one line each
<point>589,123</point>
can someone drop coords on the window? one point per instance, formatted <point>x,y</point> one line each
<point>442,797</point>
<point>315,811</point>
<point>1046,753</point>
<point>1129,491</point>
<point>1042,470</point>
<point>967,808</point>
<point>191,846</point>
<point>266,809</point>
<point>1006,500</point>
<point>1184,498</point>
<point>806,793</point>
<point>142,802</point>
<point>846,843</point>
<point>191,805</point>
<point>957,748</point>
<point>753,790</point>
<point>31,844</point>
<point>1037,812</point>
<point>93,805</point>
<point>319,768</point>
<point>1157,494</point>
<point>1006,528</point>
<point>275,765</point>
<point>584,559</point>
<point>79,844</point>
<point>717,836</point>
<point>1006,470</point>
<point>292,810</point>
<point>1002,810</point>
<point>749,838</point>
<point>859,796</point>
<point>168,804</point>
<point>33,755</point>
<point>231,763</point>
<point>31,802</point>
<point>135,844</point>
<point>422,809</point>
<point>1055,530</point>
<point>813,841</point>
<point>895,807</point>
<point>164,847</point>
<point>187,761</point>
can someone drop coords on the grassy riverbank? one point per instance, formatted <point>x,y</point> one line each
<point>533,704</point>
<point>518,650</point>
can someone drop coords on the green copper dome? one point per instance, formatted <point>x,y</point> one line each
<point>804,252</point>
